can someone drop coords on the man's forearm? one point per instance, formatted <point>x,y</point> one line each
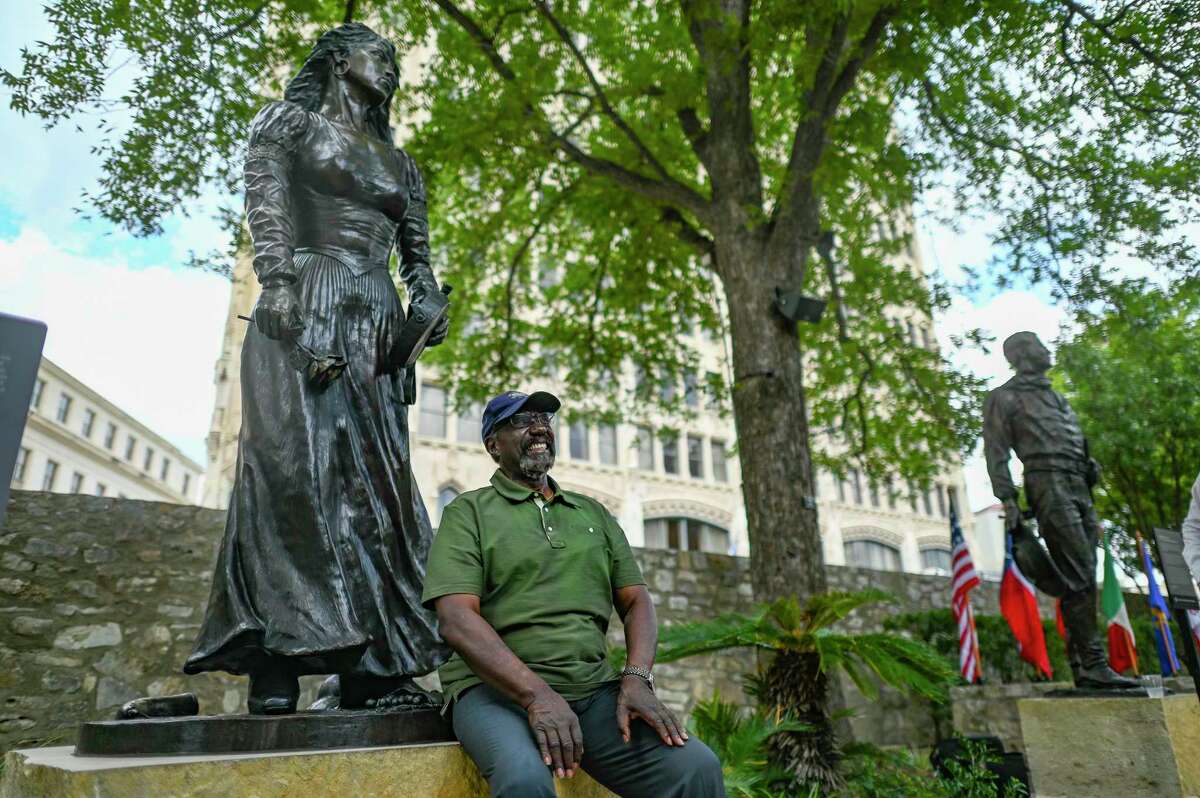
<point>478,643</point>
<point>641,632</point>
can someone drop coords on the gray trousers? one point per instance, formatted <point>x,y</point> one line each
<point>495,732</point>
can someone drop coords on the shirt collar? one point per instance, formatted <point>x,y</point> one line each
<point>516,492</point>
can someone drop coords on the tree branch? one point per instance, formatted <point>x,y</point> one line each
<point>662,192</point>
<point>565,36</point>
<point>688,233</point>
<point>694,131</point>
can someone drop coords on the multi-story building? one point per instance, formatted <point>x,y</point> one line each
<point>680,490</point>
<point>76,441</point>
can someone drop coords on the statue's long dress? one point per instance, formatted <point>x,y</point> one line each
<point>325,544</point>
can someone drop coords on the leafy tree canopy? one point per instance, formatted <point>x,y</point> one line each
<point>1129,373</point>
<point>678,161</point>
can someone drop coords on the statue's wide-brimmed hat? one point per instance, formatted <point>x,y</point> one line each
<point>510,403</point>
<point>1035,562</point>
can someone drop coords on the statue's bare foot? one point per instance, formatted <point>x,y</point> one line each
<point>407,696</point>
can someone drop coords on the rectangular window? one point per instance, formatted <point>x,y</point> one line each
<point>941,500</point>
<point>49,476</point>
<point>64,408</point>
<point>470,424</point>
<point>578,433</point>
<point>670,447</point>
<point>147,458</point>
<point>925,337</point>
<point>927,501</point>
<point>39,388</point>
<point>21,464</point>
<point>130,443</point>
<point>856,485</point>
<point>720,471</point>
<point>187,483</point>
<point>874,493</point>
<point>691,389</point>
<point>101,489</point>
<point>891,494</point>
<point>89,420</point>
<point>952,496</point>
<point>165,469</point>
<point>694,537</point>
<point>110,435</point>
<point>841,486</point>
<point>695,451</point>
<point>645,448</point>
<point>912,333</point>
<point>912,497</point>
<point>666,390</point>
<point>675,537</point>
<point>432,419</point>
<point>76,482</point>
<point>608,444</point>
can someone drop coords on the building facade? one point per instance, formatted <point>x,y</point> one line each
<point>679,491</point>
<point>76,441</point>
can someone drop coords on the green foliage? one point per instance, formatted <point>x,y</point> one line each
<point>618,141</point>
<point>997,646</point>
<point>739,738</point>
<point>788,625</point>
<point>1130,375</point>
<point>874,773</point>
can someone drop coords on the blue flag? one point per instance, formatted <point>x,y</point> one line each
<point>1168,660</point>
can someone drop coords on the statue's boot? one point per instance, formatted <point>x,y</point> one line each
<point>274,689</point>
<point>1089,665</point>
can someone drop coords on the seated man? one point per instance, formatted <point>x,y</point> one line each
<point>524,577</point>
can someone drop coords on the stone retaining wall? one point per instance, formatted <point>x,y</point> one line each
<point>100,601</point>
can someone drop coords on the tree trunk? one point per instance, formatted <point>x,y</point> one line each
<point>771,416</point>
<point>795,684</point>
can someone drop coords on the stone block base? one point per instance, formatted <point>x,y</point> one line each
<point>1113,747</point>
<point>437,770</point>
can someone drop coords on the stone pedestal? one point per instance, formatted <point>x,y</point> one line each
<point>436,770</point>
<point>1113,747</point>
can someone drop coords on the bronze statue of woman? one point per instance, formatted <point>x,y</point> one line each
<point>323,559</point>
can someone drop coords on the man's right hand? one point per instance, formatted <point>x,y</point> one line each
<point>277,314</point>
<point>556,729</point>
<point>1012,513</point>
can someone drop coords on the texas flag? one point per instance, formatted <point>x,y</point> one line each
<point>1018,605</point>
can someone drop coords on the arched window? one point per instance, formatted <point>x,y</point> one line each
<point>685,534</point>
<point>935,560</point>
<point>872,554</point>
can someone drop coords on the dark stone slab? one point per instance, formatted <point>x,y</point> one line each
<point>1084,692</point>
<point>233,734</point>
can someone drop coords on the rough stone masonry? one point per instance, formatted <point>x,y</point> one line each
<point>100,600</point>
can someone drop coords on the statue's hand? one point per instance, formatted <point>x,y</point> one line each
<point>1012,513</point>
<point>440,331</point>
<point>422,289</point>
<point>277,314</point>
<point>1093,472</point>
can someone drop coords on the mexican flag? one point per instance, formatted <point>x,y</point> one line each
<point>1122,653</point>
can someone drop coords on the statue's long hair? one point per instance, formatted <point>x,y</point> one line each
<point>308,88</point>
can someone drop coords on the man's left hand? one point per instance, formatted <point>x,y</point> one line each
<point>637,700</point>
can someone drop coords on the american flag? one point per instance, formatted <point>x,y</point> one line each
<point>965,580</point>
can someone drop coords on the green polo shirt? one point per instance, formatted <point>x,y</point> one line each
<point>544,575</point>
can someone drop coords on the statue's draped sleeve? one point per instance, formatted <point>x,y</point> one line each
<point>997,444</point>
<point>275,135</point>
<point>412,238</point>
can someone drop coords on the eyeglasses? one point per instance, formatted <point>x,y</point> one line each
<point>523,420</point>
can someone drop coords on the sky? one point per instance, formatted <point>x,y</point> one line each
<point>129,320</point>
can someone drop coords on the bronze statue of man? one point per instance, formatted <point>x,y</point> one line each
<point>1026,415</point>
<point>323,560</point>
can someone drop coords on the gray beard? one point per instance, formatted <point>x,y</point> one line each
<point>535,466</point>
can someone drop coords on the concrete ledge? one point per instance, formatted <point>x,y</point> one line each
<point>437,770</point>
<point>1113,747</point>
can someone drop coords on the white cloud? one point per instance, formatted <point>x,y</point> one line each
<point>144,338</point>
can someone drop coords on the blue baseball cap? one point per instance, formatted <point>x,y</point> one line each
<point>510,403</point>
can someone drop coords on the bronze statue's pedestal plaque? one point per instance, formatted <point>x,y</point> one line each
<point>1113,747</point>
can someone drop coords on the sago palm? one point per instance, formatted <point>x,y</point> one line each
<point>804,649</point>
<point>739,738</point>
